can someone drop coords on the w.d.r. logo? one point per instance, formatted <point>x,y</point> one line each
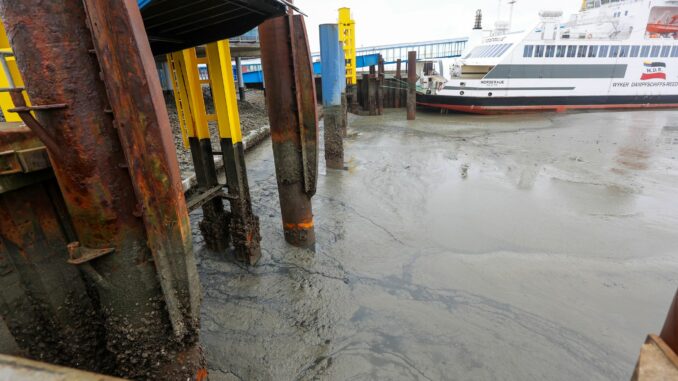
<point>654,70</point>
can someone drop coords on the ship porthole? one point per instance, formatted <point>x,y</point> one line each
<point>461,93</point>
<point>489,94</point>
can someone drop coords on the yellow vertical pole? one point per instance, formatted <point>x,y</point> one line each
<point>188,95</point>
<point>176,65</point>
<point>5,99</point>
<point>347,38</point>
<point>197,100</point>
<point>245,225</point>
<point>223,90</point>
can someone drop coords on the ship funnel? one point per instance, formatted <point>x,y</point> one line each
<point>479,20</point>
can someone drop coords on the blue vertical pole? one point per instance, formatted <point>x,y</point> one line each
<point>333,84</point>
<point>332,64</point>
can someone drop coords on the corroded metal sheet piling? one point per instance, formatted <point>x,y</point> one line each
<point>331,56</point>
<point>412,85</point>
<point>290,93</point>
<point>112,152</point>
<point>45,309</point>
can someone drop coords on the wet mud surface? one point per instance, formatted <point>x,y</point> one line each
<point>456,247</point>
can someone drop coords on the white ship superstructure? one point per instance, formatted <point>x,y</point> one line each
<point>612,54</point>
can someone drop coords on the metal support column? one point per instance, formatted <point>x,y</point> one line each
<point>190,103</point>
<point>241,80</point>
<point>112,151</point>
<point>331,56</point>
<point>347,38</point>
<point>290,94</point>
<point>412,85</point>
<point>244,224</point>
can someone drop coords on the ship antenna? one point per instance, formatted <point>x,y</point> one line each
<point>479,20</point>
<point>510,24</point>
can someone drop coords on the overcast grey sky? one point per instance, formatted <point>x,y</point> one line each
<point>380,22</point>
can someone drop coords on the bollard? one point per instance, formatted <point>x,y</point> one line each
<point>412,85</point>
<point>333,65</point>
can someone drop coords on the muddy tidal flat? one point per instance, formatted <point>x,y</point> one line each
<point>538,247</point>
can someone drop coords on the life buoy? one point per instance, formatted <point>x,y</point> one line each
<point>589,36</point>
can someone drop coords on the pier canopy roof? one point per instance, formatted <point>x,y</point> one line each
<point>173,25</point>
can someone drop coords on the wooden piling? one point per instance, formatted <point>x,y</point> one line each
<point>372,95</point>
<point>398,78</point>
<point>380,87</point>
<point>412,85</point>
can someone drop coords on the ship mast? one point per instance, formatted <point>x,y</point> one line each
<point>510,24</point>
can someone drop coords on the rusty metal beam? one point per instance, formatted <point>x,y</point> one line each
<point>290,92</point>
<point>119,178</point>
<point>135,96</point>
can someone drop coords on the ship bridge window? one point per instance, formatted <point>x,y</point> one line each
<point>674,51</point>
<point>571,51</point>
<point>655,51</point>
<point>581,52</point>
<point>491,51</point>
<point>635,50</point>
<point>539,51</point>
<point>666,51</point>
<point>550,51</point>
<point>614,51</point>
<point>624,51</point>
<point>528,50</point>
<point>560,51</point>
<point>604,49</point>
<point>487,51</point>
<point>504,48</point>
<point>593,50</point>
<point>645,51</point>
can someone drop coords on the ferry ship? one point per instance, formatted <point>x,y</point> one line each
<point>619,54</point>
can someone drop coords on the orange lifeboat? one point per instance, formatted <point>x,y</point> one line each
<point>668,28</point>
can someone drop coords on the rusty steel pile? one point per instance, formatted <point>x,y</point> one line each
<point>96,257</point>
